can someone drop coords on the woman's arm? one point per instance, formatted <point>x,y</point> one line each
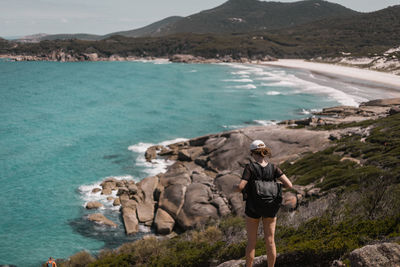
<point>285,181</point>
<point>240,186</point>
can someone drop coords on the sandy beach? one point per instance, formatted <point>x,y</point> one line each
<point>387,79</point>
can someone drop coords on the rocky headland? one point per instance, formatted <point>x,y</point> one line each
<point>342,210</point>
<point>199,186</point>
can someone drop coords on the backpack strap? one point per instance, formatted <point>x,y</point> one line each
<point>255,171</point>
<point>258,174</point>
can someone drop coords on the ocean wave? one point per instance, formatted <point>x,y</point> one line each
<point>247,86</point>
<point>308,111</point>
<point>300,86</point>
<point>266,122</point>
<point>87,195</point>
<point>239,80</point>
<point>281,83</point>
<point>273,93</point>
<point>240,72</point>
<point>156,166</point>
<point>275,77</point>
<point>233,126</point>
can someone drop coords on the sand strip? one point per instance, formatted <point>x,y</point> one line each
<point>390,80</point>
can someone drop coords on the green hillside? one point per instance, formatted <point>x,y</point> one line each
<point>253,15</point>
<point>150,30</point>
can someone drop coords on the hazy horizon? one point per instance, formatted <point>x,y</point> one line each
<point>22,17</point>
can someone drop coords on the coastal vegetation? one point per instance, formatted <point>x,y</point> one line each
<point>366,188</point>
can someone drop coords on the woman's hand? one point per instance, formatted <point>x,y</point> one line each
<point>240,186</point>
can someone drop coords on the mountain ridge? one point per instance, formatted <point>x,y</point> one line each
<point>233,16</point>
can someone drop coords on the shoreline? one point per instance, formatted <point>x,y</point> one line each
<point>391,81</point>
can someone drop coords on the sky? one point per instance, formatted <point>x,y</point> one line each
<point>25,17</point>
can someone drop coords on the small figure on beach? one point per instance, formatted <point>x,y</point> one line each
<point>261,187</point>
<point>51,262</point>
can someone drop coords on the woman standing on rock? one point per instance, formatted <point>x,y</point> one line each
<point>254,172</point>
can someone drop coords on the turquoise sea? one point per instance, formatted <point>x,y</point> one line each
<point>66,126</point>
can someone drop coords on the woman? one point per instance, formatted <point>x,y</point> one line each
<point>259,152</point>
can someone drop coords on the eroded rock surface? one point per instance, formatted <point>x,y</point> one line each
<point>384,255</point>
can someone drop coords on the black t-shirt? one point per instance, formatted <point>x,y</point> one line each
<point>247,172</point>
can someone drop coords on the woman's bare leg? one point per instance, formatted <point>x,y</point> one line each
<point>269,236</point>
<point>252,228</point>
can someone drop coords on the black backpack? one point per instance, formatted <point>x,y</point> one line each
<point>263,188</point>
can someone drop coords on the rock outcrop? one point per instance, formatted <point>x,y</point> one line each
<point>200,184</point>
<point>101,219</point>
<point>93,205</point>
<point>383,255</point>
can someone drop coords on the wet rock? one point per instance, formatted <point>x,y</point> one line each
<point>163,222</point>
<point>101,219</point>
<point>96,190</point>
<point>110,198</point>
<point>94,205</point>
<point>130,220</point>
<point>151,152</point>
<point>109,184</point>
<point>106,191</point>
<point>385,255</point>
<point>117,202</point>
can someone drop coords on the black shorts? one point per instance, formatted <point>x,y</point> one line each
<point>269,212</point>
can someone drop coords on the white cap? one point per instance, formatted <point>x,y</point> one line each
<point>257,144</point>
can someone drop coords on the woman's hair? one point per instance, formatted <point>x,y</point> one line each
<point>263,151</point>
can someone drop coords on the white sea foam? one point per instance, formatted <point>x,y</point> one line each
<point>156,166</point>
<point>233,126</point>
<point>276,77</point>
<point>267,78</point>
<point>266,122</point>
<point>247,86</point>
<point>242,72</point>
<point>273,93</point>
<point>239,80</point>
<point>281,83</point>
<point>309,111</point>
<point>193,71</point>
